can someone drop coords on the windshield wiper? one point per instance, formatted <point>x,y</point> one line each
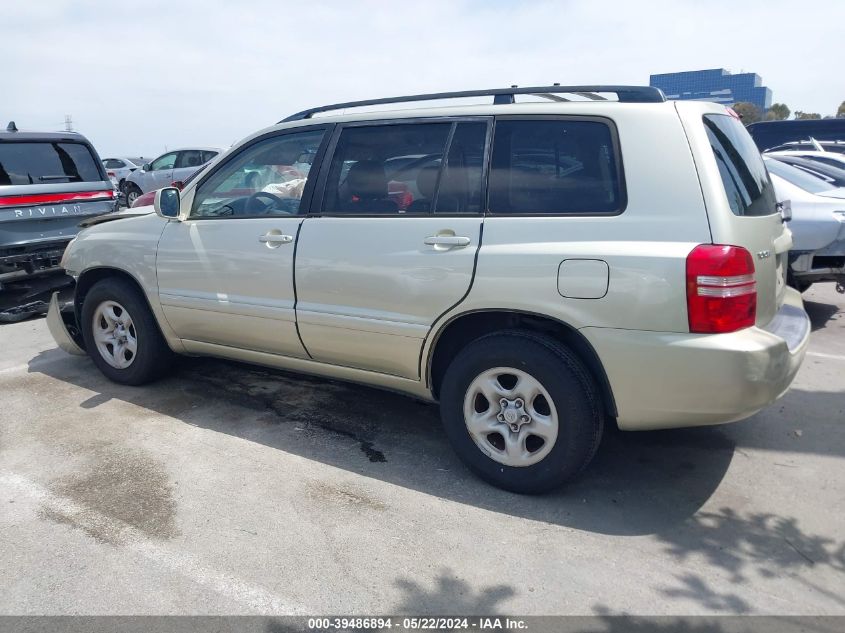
<point>57,177</point>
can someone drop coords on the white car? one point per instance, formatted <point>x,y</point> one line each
<point>817,224</point>
<point>833,159</point>
<point>176,165</point>
<point>119,168</point>
<point>550,270</point>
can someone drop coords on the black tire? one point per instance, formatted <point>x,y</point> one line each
<point>132,189</point>
<point>153,357</point>
<point>565,378</point>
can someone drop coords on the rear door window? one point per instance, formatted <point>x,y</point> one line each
<point>400,168</point>
<point>386,169</point>
<point>744,177</point>
<point>555,166</point>
<point>36,163</point>
<point>189,158</point>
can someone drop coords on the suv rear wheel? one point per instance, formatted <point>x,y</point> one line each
<point>521,411</point>
<point>121,334</point>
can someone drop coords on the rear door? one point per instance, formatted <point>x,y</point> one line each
<point>187,162</point>
<point>741,203</point>
<point>392,243</point>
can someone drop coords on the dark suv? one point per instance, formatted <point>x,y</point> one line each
<point>49,182</point>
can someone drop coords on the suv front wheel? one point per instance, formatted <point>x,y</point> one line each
<point>521,411</point>
<point>121,334</point>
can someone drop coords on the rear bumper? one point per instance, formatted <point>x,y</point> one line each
<point>31,259</point>
<point>670,380</point>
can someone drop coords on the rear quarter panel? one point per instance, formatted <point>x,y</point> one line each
<point>645,246</point>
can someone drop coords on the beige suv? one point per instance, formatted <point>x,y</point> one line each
<point>539,268</point>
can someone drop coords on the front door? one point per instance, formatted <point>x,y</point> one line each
<point>392,244</point>
<point>225,273</point>
<point>159,174</point>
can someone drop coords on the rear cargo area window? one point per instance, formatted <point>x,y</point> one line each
<point>554,166</point>
<point>744,177</point>
<point>38,163</point>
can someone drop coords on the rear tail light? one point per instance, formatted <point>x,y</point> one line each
<point>721,291</point>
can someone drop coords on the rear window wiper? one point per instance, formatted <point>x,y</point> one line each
<point>61,177</point>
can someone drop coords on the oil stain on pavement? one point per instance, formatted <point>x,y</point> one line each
<point>119,491</point>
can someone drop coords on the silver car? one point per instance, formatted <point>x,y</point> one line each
<point>817,224</point>
<point>167,168</point>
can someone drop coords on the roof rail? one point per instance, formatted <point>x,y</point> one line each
<point>628,94</point>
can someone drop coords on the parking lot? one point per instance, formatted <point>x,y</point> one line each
<point>232,489</point>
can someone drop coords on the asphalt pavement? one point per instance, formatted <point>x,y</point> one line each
<point>230,489</point>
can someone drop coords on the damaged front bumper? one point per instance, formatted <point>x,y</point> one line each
<point>63,327</point>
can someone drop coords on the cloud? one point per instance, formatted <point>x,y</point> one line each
<point>150,74</point>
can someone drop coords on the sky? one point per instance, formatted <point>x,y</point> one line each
<point>140,77</point>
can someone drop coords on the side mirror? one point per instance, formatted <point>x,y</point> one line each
<point>146,167</point>
<point>167,203</point>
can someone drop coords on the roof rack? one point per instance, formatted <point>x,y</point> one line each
<point>627,94</point>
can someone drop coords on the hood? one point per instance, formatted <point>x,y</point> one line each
<point>120,215</point>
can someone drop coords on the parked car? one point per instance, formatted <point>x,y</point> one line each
<point>48,182</point>
<point>118,169</point>
<point>826,158</point>
<point>817,224</point>
<point>545,278</point>
<point>147,199</point>
<point>834,176</point>
<point>771,134</point>
<point>811,145</point>
<point>175,165</point>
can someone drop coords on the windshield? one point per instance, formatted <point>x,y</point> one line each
<point>41,162</point>
<point>797,177</point>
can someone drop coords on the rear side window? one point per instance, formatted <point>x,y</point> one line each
<point>555,166</point>
<point>36,163</point>
<point>744,177</point>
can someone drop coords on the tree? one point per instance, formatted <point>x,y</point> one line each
<point>840,113</point>
<point>807,115</point>
<point>778,112</point>
<point>748,112</point>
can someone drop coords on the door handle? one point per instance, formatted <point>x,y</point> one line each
<point>452,241</point>
<point>275,238</point>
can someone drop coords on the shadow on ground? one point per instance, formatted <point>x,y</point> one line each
<point>821,313</point>
<point>639,483</point>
